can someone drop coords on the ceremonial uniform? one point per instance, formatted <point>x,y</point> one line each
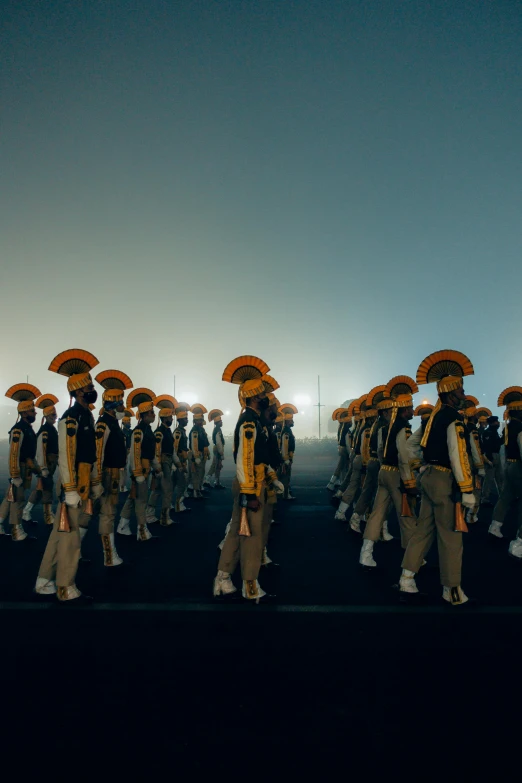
<point>165,457</point>
<point>180,457</point>
<point>47,459</point>
<point>218,449</point>
<point>511,493</point>
<point>142,460</point>
<point>287,448</point>
<point>342,463</point>
<point>79,479</point>
<point>22,459</point>
<point>446,480</point>
<point>355,479</point>
<point>491,444</point>
<point>396,478</point>
<point>370,459</point>
<point>199,447</point>
<point>244,541</point>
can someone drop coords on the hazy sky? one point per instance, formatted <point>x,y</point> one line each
<point>334,186</point>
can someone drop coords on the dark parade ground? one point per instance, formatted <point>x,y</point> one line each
<point>156,677</point>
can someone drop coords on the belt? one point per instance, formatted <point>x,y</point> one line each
<point>440,467</point>
<point>512,460</point>
<point>391,468</point>
<point>373,459</point>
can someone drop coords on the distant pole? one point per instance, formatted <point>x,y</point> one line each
<point>319,406</point>
<point>174,386</point>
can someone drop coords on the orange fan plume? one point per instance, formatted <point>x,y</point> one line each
<point>138,396</point>
<point>45,401</point>
<point>73,362</point>
<point>114,379</point>
<point>443,364</point>
<point>245,368</point>
<point>166,401</point>
<point>401,384</point>
<point>21,392</point>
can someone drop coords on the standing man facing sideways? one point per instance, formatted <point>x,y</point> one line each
<point>81,483</point>
<point>218,449</point>
<point>47,459</point>
<point>22,459</point>
<point>199,448</point>
<point>287,448</point>
<point>111,456</point>
<point>180,457</point>
<point>165,456</point>
<point>446,479</point>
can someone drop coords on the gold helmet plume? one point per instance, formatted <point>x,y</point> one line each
<point>143,399</point>
<point>247,371</point>
<point>24,394</point>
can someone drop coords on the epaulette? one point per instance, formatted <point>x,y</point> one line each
<point>100,429</point>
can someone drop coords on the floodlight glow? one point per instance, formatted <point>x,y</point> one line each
<point>227,413</point>
<point>189,397</point>
<point>302,399</point>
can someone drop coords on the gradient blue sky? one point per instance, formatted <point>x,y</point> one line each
<point>334,186</point>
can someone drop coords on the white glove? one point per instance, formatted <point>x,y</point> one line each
<point>482,472</point>
<point>45,473</point>
<point>96,491</point>
<point>17,482</point>
<point>279,488</point>
<point>198,461</point>
<point>468,499</point>
<point>422,469</point>
<point>72,499</point>
<point>173,469</point>
<point>287,462</point>
<point>140,479</point>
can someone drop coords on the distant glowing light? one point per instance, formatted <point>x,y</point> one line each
<point>425,402</point>
<point>302,399</point>
<point>227,413</point>
<point>189,397</point>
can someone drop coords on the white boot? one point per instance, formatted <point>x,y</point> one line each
<point>495,529</point>
<point>150,514</point>
<point>355,522</point>
<point>331,483</point>
<point>366,558</point>
<point>223,585</point>
<point>407,582</point>
<point>110,555</point>
<point>143,533</point>
<point>83,533</point>
<point>124,527</point>
<point>515,548</point>
<point>26,516</point>
<point>338,494</point>
<point>386,535</point>
<point>341,512</point>
<point>265,560</point>
<point>45,586</point>
<point>454,595</point>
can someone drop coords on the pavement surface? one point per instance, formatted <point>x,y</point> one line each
<point>337,676</point>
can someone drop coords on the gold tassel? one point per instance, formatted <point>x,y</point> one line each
<point>89,507</point>
<point>405,506</point>
<point>10,494</point>
<point>63,524</point>
<point>427,430</point>
<point>390,425</point>
<point>460,522</point>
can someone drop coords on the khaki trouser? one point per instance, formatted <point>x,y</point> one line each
<point>15,508</point>
<point>45,495</point>
<point>268,516</point>
<point>355,481</point>
<point>163,485</point>
<point>248,550</point>
<point>388,491</point>
<point>342,464</point>
<point>108,503</point>
<point>197,474</point>
<point>180,486</point>
<point>62,553</point>
<point>216,465</point>
<point>511,492</point>
<point>284,475</point>
<point>437,515</point>
<point>369,489</point>
<point>138,504</point>
<point>492,486</point>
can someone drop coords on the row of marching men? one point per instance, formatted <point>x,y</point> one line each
<point>92,460</point>
<point>451,464</point>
